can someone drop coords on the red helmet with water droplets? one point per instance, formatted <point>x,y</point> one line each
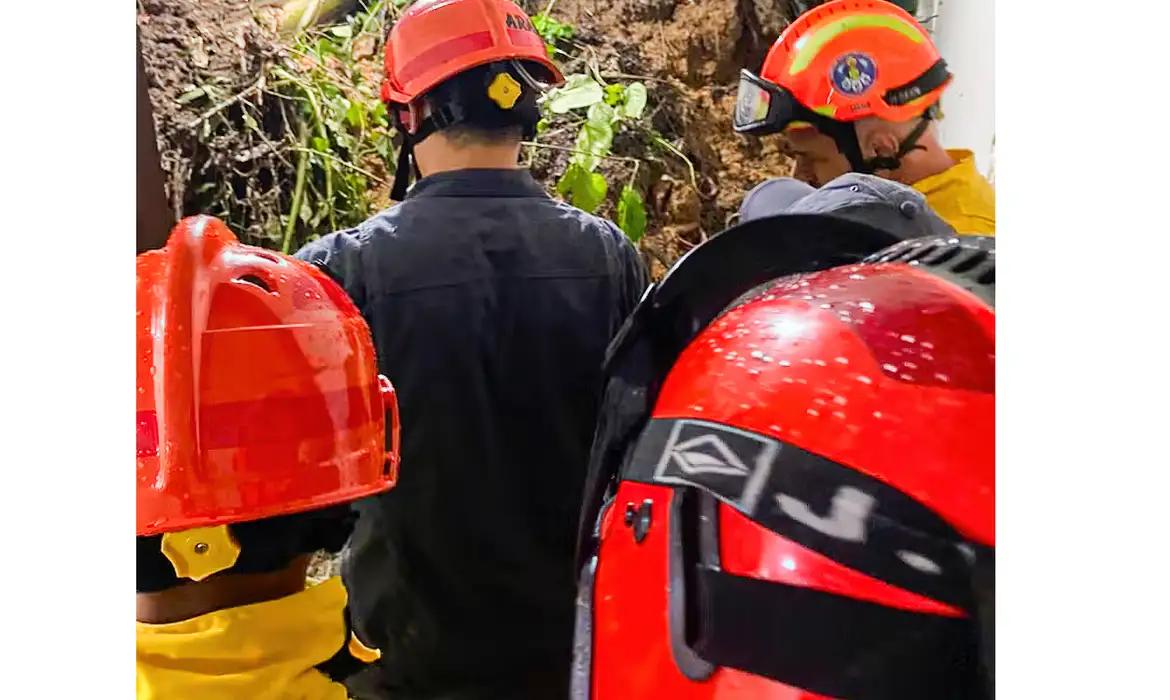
<point>807,509</point>
<point>258,389</point>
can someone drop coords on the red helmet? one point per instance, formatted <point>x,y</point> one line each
<point>258,390</point>
<point>840,62</point>
<point>795,500</point>
<point>437,39</point>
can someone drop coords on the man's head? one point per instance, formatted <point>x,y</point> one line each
<point>818,158</point>
<point>476,63</point>
<point>841,64</point>
<point>261,416</point>
<point>485,134</point>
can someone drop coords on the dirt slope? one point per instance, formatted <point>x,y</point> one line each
<point>687,52</point>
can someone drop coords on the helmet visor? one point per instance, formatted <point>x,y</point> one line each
<point>761,107</point>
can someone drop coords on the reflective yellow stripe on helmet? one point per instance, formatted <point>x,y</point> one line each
<point>809,45</point>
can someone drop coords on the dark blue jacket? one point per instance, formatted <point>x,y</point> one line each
<point>491,306</point>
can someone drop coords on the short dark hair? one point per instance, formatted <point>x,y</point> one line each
<point>467,135</point>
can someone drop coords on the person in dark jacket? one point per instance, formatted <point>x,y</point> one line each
<point>491,306</point>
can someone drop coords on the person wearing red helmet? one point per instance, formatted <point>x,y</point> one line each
<point>261,417</point>
<point>855,85</point>
<point>491,305</point>
<point>792,489</point>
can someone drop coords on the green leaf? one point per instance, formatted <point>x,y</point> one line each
<point>568,178</point>
<point>589,191</point>
<point>631,213</point>
<point>550,29</point>
<point>601,113</point>
<point>342,31</point>
<point>635,101</point>
<point>354,114</point>
<point>250,122</point>
<point>320,144</point>
<point>614,93</point>
<point>379,115</point>
<point>595,137</point>
<point>579,91</point>
<point>585,190</point>
<point>190,96</point>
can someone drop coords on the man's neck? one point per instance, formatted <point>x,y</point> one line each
<point>443,158</point>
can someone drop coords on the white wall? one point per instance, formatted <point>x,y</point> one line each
<point>964,32</point>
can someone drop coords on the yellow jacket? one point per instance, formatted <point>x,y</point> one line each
<point>266,651</point>
<point>961,196</point>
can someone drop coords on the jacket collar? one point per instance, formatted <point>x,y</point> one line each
<point>515,182</point>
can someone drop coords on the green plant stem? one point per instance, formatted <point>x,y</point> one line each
<point>690,166</point>
<point>319,124</point>
<point>371,15</point>
<point>340,161</point>
<point>294,211</point>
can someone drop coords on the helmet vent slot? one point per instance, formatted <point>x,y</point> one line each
<point>940,257</point>
<point>968,261</point>
<point>974,260</point>
<point>257,281</point>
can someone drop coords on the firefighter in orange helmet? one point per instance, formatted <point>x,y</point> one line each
<point>261,416</point>
<point>855,85</point>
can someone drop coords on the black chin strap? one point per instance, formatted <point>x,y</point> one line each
<point>845,136</point>
<point>440,118</point>
<point>908,144</point>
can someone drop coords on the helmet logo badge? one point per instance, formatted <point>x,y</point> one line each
<point>853,74</point>
<point>707,454</point>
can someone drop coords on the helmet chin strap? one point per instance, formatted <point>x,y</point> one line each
<point>440,118</point>
<point>845,135</point>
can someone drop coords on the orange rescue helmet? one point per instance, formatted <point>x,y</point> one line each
<point>491,44</point>
<point>838,63</point>
<point>258,388</point>
<point>437,39</point>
